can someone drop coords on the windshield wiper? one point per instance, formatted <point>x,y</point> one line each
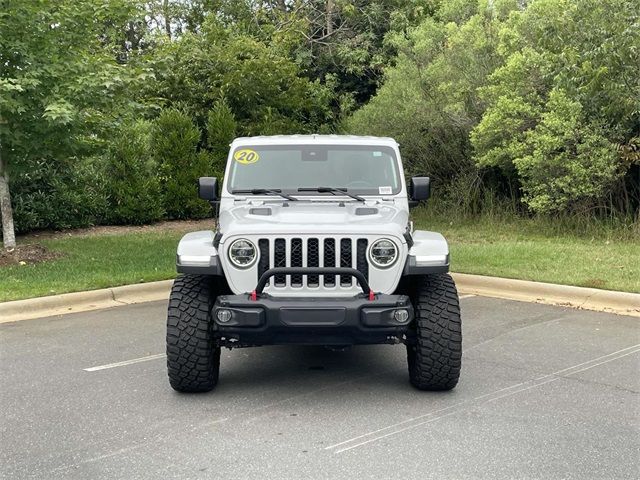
<point>332,191</point>
<point>266,191</point>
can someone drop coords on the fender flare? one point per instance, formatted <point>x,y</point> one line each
<point>429,254</point>
<point>197,254</point>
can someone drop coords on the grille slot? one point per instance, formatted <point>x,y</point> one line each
<point>280,260</point>
<point>263,266</point>
<point>345,261</point>
<point>329,260</point>
<point>313,252</point>
<point>313,260</point>
<point>361,259</point>
<point>296,261</point>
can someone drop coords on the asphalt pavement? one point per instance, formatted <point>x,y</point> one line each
<point>546,392</point>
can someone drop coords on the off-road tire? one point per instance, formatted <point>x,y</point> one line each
<point>435,359</point>
<point>193,359</point>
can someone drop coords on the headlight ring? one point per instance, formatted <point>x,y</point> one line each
<point>383,253</point>
<point>242,253</point>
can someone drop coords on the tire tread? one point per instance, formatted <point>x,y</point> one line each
<point>436,358</point>
<point>193,359</point>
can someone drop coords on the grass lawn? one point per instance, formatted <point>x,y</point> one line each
<point>92,262</point>
<point>524,249</point>
<point>606,258</point>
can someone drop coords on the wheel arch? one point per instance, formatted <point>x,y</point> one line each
<point>429,254</point>
<point>198,255</point>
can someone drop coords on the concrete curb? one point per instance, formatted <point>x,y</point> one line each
<point>621,303</point>
<point>577,297</point>
<point>84,301</point>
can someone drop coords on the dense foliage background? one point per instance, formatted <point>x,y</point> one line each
<point>110,109</point>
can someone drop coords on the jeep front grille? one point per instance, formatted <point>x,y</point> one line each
<point>313,252</point>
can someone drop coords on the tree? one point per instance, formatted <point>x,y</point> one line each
<point>59,83</point>
<point>429,100</point>
<point>174,140</point>
<point>537,101</point>
<point>175,17</point>
<point>563,109</point>
<point>221,130</point>
<point>341,42</point>
<point>133,185</point>
<point>8,230</point>
<point>263,88</point>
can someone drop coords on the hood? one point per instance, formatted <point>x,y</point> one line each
<point>314,217</point>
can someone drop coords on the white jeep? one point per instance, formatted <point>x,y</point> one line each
<point>313,246</point>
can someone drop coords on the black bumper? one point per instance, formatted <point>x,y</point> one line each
<point>268,320</point>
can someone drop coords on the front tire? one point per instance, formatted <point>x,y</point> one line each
<point>193,359</point>
<point>436,357</point>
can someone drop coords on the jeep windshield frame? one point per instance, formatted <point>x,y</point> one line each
<point>298,169</point>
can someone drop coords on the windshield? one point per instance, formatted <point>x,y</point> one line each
<point>365,170</point>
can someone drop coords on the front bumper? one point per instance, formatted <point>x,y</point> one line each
<point>268,320</point>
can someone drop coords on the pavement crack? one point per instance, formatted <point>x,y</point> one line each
<point>588,297</point>
<point>113,297</point>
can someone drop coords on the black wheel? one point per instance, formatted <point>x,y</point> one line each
<point>193,360</point>
<point>435,359</point>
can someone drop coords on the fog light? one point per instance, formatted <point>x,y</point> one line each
<point>401,316</point>
<point>224,315</point>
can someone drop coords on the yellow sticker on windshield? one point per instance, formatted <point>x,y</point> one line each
<point>246,156</point>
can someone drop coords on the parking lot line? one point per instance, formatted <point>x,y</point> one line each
<point>464,406</point>
<point>632,347</point>
<point>396,431</point>
<point>126,362</point>
<point>394,425</point>
<point>604,361</point>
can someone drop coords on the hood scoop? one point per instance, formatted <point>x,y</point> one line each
<point>366,211</point>
<point>264,211</point>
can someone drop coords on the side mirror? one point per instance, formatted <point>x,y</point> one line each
<point>420,189</point>
<point>208,188</point>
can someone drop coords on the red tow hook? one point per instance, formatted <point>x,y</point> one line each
<point>372,296</point>
<point>253,296</point>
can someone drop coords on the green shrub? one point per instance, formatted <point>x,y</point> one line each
<point>569,162</point>
<point>59,195</point>
<point>133,184</point>
<point>518,105</point>
<point>429,101</point>
<point>221,130</point>
<point>563,108</point>
<point>174,144</point>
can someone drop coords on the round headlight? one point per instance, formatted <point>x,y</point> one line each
<point>242,253</point>
<point>383,253</point>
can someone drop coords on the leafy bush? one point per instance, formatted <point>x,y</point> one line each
<point>133,185</point>
<point>263,88</point>
<point>564,106</point>
<point>429,101</point>
<point>535,103</point>
<point>221,130</point>
<point>568,160</point>
<point>174,144</point>
<point>59,195</point>
<point>59,86</point>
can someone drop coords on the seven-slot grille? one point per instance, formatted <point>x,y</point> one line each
<point>313,252</point>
